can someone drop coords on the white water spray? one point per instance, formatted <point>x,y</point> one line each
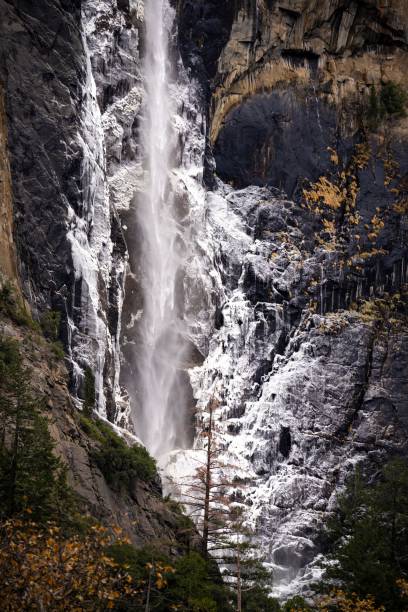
<point>161,418</point>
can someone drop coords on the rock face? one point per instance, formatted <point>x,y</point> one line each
<point>58,196</point>
<point>306,353</point>
<point>142,515</point>
<point>82,58</point>
<point>8,258</point>
<point>293,288</point>
<point>334,39</point>
<point>304,393</point>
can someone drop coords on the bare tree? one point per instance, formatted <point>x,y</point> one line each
<point>218,512</point>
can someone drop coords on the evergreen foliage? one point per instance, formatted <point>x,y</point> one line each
<point>390,102</point>
<point>245,571</point>
<point>89,392</point>
<point>393,100</point>
<point>50,324</point>
<point>369,538</point>
<point>192,583</point>
<point>32,478</point>
<point>119,463</point>
<point>197,583</point>
<point>296,604</point>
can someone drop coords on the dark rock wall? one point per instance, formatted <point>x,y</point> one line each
<point>42,68</point>
<point>204,28</point>
<point>276,139</point>
<point>71,249</point>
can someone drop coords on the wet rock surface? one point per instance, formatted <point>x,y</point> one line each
<point>204,28</point>
<point>42,45</point>
<point>61,223</point>
<point>304,393</point>
<point>295,303</point>
<point>142,514</point>
<point>280,139</point>
<point>70,72</point>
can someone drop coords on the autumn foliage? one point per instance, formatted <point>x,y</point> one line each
<point>41,569</point>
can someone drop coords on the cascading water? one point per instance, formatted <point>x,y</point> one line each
<point>161,418</point>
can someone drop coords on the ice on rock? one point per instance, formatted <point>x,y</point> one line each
<point>112,99</point>
<point>89,232</point>
<point>287,391</point>
<point>291,418</point>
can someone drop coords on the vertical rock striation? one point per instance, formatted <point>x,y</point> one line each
<point>71,249</point>
<point>292,285</point>
<point>307,325</point>
<point>8,259</point>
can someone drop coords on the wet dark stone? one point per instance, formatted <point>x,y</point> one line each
<point>42,69</point>
<point>204,29</point>
<point>277,139</point>
<point>285,441</point>
<point>218,319</point>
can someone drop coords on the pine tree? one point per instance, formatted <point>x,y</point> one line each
<point>204,493</point>
<point>369,537</point>
<point>244,569</point>
<point>32,478</point>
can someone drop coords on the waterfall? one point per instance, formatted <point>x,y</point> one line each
<point>161,408</point>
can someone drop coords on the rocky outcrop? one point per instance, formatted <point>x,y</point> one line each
<point>42,122</point>
<point>70,245</point>
<point>309,375</point>
<point>143,515</point>
<point>325,56</point>
<point>204,28</point>
<point>307,300</point>
<point>335,40</point>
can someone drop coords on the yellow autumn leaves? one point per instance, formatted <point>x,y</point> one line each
<point>44,569</point>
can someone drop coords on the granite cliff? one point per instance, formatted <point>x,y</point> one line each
<point>291,184</point>
<point>307,234</point>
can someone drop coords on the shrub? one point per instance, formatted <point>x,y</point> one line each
<point>187,583</point>
<point>50,324</point>
<point>296,604</point>
<point>195,582</point>
<point>119,463</point>
<point>89,392</point>
<point>90,427</point>
<point>58,349</point>
<point>393,99</point>
<point>9,356</point>
<point>41,568</point>
<point>390,102</point>
<point>13,307</point>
